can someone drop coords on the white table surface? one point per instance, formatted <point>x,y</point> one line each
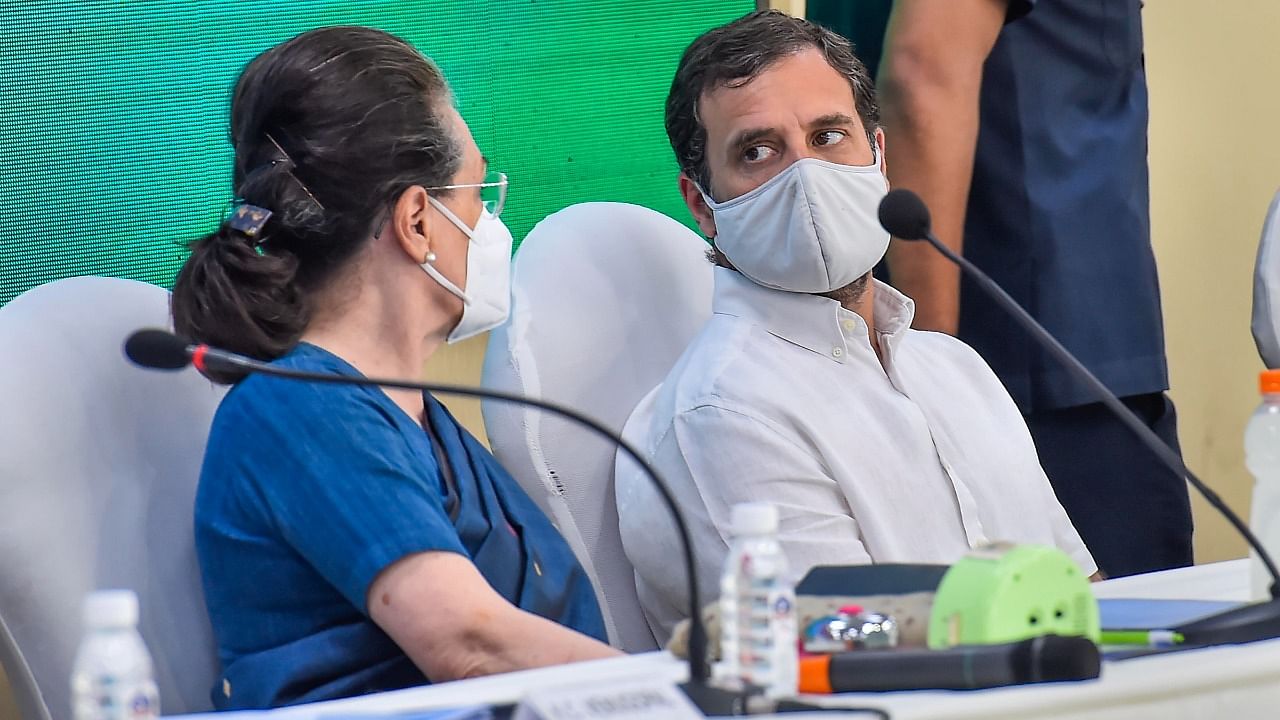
<point>1227,683</point>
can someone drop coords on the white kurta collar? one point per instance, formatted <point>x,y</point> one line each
<point>818,324</point>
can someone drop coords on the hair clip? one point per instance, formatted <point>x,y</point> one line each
<point>289,166</point>
<point>248,220</point>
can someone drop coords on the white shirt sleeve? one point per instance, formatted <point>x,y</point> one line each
<point>1266,288</point>
<point>734,457</point>
<point>1015,441</point>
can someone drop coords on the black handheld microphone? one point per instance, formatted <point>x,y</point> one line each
<point>905,216</point>
<point>163,350</point>
<point>1048,658</point>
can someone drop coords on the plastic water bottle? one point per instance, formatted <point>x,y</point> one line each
<point>112,678</point>
<point>758,642</point>
<point>1262,456</point>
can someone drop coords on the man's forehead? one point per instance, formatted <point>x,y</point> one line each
<point>801,87</point>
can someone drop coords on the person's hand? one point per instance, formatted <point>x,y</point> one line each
<point>678,645</point>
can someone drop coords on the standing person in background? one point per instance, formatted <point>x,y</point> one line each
<point>1023,126</point>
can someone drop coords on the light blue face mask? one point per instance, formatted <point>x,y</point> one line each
<point>812,228</point>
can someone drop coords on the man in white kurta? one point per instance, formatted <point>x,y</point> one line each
<point>807,388</point>
<point>917,455</point>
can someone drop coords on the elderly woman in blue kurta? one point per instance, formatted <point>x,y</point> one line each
<point>353,540</point>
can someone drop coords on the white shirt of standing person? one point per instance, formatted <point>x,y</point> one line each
<point>1266,289</point>
<point>916,456</point>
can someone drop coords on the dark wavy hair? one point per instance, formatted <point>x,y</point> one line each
<point>732,55</point>
<point>328,129</point>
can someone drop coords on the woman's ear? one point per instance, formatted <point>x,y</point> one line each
<point>411,223</point>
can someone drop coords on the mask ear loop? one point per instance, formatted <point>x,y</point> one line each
<point>445,283</point>
<point>457,221</point>
<point>431,270</point>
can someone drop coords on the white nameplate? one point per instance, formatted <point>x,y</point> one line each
<point>633,699</point>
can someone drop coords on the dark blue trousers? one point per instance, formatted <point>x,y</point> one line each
<point>1134,515</point>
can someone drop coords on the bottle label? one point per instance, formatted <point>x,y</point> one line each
<point>760,633</point>
<point>110,699</point>
<point>786,663</point>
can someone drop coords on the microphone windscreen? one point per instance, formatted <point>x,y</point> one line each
<point>157,349</point>
<point>1056,658</point>
<point>904,215</point>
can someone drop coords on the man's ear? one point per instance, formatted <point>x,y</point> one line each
<point>702,214</point>
<point>410,224</point>
<point>884,165</point>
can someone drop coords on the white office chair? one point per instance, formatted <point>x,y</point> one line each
<point>1266,288</point>
<point>605,298</point>
<point>98,468</point>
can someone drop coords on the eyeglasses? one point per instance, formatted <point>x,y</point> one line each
<point>493,191</point>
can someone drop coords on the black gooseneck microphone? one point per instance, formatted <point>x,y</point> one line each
<point>905,216</point>
<point>163,350</point>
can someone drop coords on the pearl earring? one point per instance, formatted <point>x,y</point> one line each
<point>431,257</point>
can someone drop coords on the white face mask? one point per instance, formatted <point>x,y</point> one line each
<point>813,228</point>
<point>487,299</point>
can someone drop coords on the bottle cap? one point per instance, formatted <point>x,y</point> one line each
<point>1269,382</point>
<point>105,609</point>
<point>755,518</point>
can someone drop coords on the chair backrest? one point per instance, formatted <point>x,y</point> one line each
<point>605,298</point>
<point>1266,288</point>
<point>98,469</point>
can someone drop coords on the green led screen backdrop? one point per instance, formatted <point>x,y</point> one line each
<point>113,123</point>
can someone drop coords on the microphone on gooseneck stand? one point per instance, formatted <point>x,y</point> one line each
<point>905,216</point>
<point>163,350</point>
